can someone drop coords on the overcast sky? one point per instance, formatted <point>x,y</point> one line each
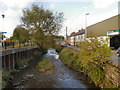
<point>74,12</point>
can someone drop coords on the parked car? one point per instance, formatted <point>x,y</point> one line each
<point>118,52</point>
<point>65,44</point>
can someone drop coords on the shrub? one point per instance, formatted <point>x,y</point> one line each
<point>90,59</point>
<point>45,66</point>
<point>93,55</point>
<point>94,51</point>
<point>58,48</point>
<point>6,78</point>
<point>68,57</point>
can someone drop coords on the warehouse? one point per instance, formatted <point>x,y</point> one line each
<point>107,28</point>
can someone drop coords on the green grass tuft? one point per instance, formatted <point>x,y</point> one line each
<point>45,66</point>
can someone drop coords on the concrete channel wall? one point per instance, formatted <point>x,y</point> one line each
<point>9,57</point>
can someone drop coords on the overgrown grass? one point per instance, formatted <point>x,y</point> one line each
<point>6,78</point>
<point>8,75</point>
<point>45,66</point>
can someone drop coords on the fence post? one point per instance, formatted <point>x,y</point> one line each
<point>13,59</point>
<point>9,61</point>
<point>5,62</point>
<point>13,44</point>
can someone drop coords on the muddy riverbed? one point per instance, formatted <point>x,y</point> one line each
<point>63,77</point>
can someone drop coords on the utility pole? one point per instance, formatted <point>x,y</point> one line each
<point>86,27</point>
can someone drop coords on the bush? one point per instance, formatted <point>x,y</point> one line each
<point>58,48</point>
<point>97,75</point>
<point>45,66</point>
<point>90,59</point>
<point>6,78</point>
<point>94,51</point>
<point>68,57</point>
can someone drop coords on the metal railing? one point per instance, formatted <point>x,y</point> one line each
<point>8,45</point>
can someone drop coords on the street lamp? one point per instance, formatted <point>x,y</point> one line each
<point>86,27</point>
<point>3,16</point>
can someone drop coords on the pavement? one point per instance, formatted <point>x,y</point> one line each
<point>115,59</point>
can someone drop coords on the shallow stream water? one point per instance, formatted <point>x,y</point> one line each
<point>63,76</point>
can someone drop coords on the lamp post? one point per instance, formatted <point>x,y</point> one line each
<point>3,16</point>
<point>86,27</point>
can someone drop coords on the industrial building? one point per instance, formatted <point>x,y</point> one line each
<point>107,28</point>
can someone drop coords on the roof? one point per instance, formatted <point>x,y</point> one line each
<point>80,32</point>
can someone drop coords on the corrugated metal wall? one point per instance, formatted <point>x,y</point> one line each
<point>101,28</point>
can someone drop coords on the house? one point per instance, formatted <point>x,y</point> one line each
<point>76,38</point>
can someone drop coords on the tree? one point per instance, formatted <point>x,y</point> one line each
<point>20,34</point>
<point>42,24</point>
<point>93,55</point>
<point>59,37</point>
<point>3,36</point>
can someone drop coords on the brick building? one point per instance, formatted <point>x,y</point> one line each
<point>76,38</point>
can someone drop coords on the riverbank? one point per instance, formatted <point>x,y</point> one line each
<point>63,76</point>
<point>20,65</point>
<point>70,57</point>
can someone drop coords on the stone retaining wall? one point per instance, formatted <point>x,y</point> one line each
<point>112,72</point>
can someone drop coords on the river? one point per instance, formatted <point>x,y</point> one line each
<point>63,76</point>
